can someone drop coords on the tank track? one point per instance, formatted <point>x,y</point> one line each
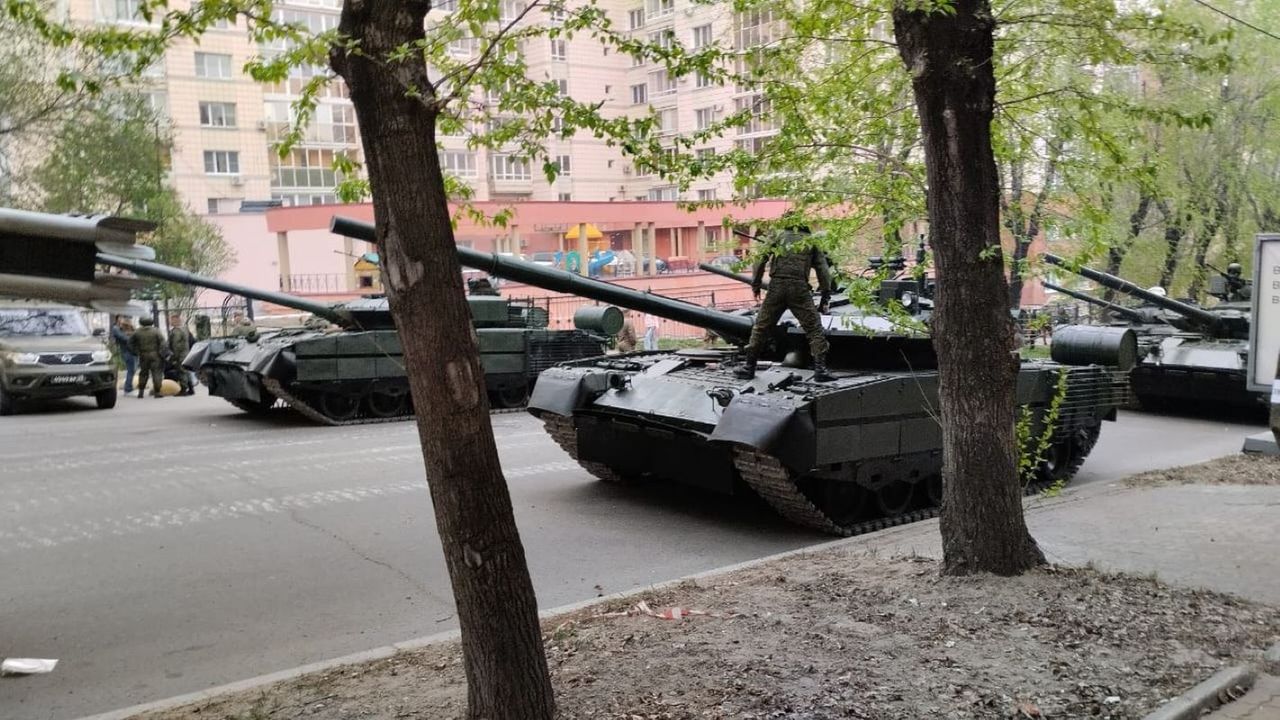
<point>769,479</point>
<point>309,412</point>
<point>561,430</point>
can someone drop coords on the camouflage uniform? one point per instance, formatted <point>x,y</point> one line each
<point>627,338</point>
<point>147,343</point>
<point>180,344</point>
<point>242,328</point>
<point>790,261</point>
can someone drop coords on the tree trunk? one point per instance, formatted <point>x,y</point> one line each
<point>503,656</point>
<point>1116,253</point>
<point>949,57</point>
<point>1173,233</point>
<point>1200,248</point>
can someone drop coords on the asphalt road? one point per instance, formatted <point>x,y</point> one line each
<point>171,545</point>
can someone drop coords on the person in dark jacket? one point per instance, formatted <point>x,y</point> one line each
<point>120,333</point>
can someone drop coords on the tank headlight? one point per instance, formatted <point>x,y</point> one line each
<point>21,358</point>
<point>101,356</point>
<point>908,299</point>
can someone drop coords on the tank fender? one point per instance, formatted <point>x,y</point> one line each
<point>760,422</point>
<point>275,362</point>
<point>202,352</point>
<point>564,390</point>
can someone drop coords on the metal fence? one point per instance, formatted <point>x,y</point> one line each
<point>316,283</point>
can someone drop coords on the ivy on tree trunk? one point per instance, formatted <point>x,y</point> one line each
<point>948,53</point>
<point>503,656</point>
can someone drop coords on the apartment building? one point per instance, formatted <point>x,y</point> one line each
<point>224,123</point>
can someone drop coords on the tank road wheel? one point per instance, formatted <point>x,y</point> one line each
<point>845,502</point>
<point>895,498</point>
<point>387,404</point>
<point>339,406</point>
<point>512,397</point>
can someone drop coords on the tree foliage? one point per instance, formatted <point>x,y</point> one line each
<point>110,156</point>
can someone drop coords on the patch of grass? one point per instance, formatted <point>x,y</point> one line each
<point>1035,352</point>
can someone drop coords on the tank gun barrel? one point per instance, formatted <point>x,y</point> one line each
<point>717,270</point>
<point>1120,310</point>
<point>173,274</point>
<point>732,327</point>
<point>1191,312</point>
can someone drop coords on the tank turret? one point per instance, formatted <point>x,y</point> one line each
<point>1188,316</point>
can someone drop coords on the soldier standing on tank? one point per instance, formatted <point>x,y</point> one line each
<point>790,256</point>
<point>146,343</point>
<point>180,345</point>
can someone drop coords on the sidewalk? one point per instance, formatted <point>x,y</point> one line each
<point>1261,703</point>
<point>1116,646</point>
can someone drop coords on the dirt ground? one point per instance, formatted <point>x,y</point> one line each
<point>1230,470</point>
<point>842,634</point>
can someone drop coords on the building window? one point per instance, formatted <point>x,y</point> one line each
<point>213,66</point>
<point>509,10</point>
<point>559,49</point>
<point>754,28</point>
<point>566,197</point>
<point>509,167</point>
<point>660,83</point>
<point>557,125</point>
<point>706,153</point>
<point>565,165</point>
<point>304,168</point>
<point>293,199</point>
<point>446,5</point>
<point>213,206</point>
<point>664,39</point>
<point>464,47</point>
<point>221,162</point>
<point>707,195</point>
<point>639,94</point>
<point>659,8</point>
<point>701,36</point>
<point>637,19</point>
<point>703,117</point>
<point>562,87</point>
<point>129,10</point>
<point>461,163</point>
<point>753,146</point>
<point>668,193</point>
<point>761,111</point>
<point>557,13</point>
<point>667,122</point>
<point>217,114</point>
<point>703,80</point>
<point>637,60</point>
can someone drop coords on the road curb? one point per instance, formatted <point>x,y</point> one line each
<point>1271,660</point>
<point>1205,696</point>
<point>1033,504</point>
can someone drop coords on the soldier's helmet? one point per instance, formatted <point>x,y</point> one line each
<point>793,221</point>
<point>146,322</point>
<point>1157,290</point>
<point>1234,269</point>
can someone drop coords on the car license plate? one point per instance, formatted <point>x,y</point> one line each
<point>66,379</point>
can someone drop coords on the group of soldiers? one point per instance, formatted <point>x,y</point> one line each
<point>146,351</point>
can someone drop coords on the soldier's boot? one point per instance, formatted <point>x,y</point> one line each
<point>820,371</point>
<point>748,369</point>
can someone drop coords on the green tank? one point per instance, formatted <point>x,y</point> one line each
<point>859,453</point>
<point>353,371</point>
<point>1188,355</point>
